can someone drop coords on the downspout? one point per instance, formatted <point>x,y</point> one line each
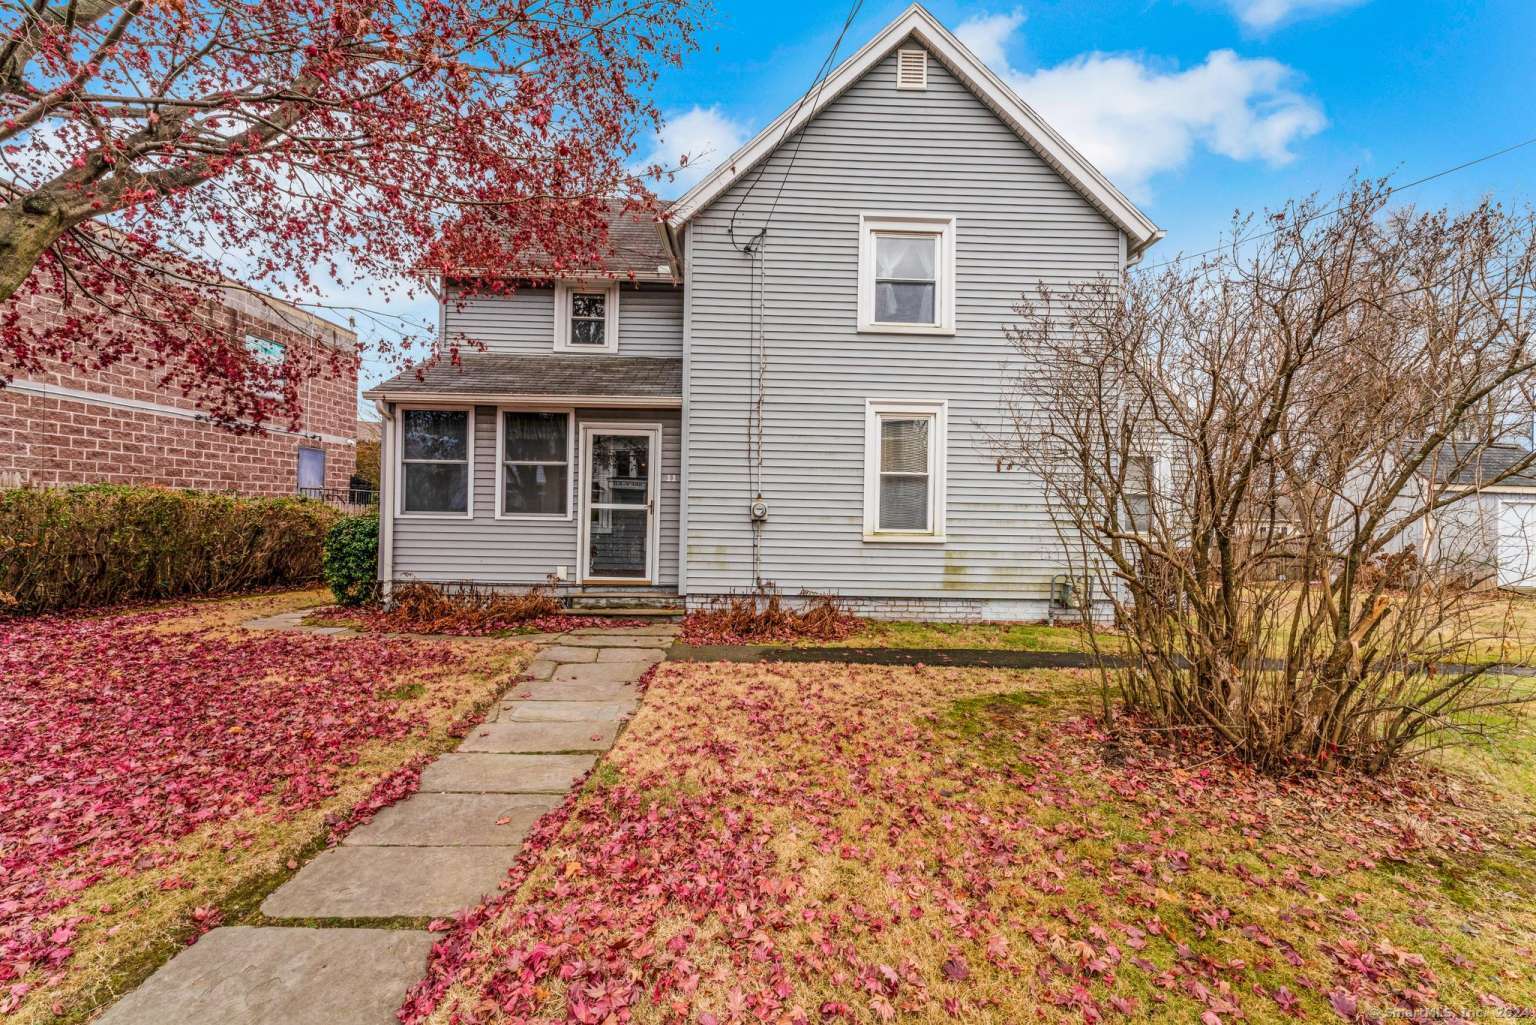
<point>683,414</point>
<point>386,497</point>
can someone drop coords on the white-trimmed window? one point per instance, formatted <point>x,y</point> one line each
<point>907,274</point>
<point>1140,477</point>
<point>587,316</point>
<point>904,465</point>
<point>436,462</point>
<point>535,455</point>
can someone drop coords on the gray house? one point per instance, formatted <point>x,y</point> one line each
<point>792,379</point>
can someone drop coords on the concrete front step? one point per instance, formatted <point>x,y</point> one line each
<point>242,975</point>
<point>624,600</point>
<point>666,612</point>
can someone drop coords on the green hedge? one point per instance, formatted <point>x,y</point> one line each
<point>98,544</point>
<point>352,558</point>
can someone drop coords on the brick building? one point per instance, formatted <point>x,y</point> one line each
<point>118,425</point>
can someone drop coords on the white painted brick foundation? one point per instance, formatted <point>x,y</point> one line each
<point>935,610</point>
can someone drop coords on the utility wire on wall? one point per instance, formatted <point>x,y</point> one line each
<point>755,249</point>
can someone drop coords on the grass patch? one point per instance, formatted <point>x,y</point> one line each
<point>807,842</point>
<point>996,636</point>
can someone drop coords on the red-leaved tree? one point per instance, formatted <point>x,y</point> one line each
<point>150,148</point>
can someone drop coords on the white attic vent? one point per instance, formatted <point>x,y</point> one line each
<point>911,69</point>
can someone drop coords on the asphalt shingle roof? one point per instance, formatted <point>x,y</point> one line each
<point>1456,463</point>
<point>633,236</point>
<point>484,373</point>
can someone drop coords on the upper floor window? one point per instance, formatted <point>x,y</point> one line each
<point>436,453</point>
<point>587,316</point>
<point>269,355</point>
<point>904,463</point>
<point>907,274</point>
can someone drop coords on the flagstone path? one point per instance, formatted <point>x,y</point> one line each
<point>345,959</point>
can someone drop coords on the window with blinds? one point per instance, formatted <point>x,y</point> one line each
<point>904,471</point>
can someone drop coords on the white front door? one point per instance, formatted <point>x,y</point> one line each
<point>620,464</point>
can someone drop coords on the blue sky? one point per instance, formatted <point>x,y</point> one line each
<point>1195,108</point>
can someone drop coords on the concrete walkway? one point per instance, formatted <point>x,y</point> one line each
<point>345,959</point>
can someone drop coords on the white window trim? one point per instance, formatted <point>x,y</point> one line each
<point>570,463</point>
<point>871,224</point>
<point>563,293</point>
<point>400,460</point>
<point>876,410</point>
<point>657,433</point>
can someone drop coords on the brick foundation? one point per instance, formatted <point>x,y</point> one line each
<point>936,610</point>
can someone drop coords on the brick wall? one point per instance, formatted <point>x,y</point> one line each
<point>99,426</point>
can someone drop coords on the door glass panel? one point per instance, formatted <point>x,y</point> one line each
<point>618,541</point>
<point>621,470</point>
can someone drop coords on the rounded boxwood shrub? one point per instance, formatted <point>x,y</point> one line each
<point>351,560</point>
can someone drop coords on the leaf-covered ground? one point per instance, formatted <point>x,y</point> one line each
<point>376,620</point>
<point>160,770</point>
<point>819,843</point>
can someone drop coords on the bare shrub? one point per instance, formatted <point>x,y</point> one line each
<point>1275,460</point>
<point>425,608</point>
<point>764,616</point>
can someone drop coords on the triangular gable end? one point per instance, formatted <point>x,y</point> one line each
<point>917,23</point>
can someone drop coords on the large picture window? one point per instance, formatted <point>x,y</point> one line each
<point>904,471</point>
<point>907,274</point>
<point>535,463</point>
<point>435,446</point>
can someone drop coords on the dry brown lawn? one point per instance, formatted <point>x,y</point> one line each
<point>824,843</point>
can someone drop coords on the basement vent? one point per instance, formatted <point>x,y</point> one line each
<point>912,69</point>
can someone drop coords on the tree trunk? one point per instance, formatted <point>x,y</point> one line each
<point>27,229</point>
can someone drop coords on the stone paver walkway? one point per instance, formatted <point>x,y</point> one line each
<point>437,851</point>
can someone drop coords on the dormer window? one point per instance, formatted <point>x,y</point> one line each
<point>587,316</point>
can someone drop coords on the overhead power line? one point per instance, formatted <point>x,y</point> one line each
<point>813,94</point>
<point>1325,213</point>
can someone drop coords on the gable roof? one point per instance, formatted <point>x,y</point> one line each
<point>917,23</point>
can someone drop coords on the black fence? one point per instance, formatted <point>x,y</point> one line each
<point>348,498</point>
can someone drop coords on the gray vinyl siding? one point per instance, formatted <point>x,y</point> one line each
<point>523,322</point>
<point>486,550</point>
<point>874,150</point>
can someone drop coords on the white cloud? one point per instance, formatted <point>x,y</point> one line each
<point>706,135</point>
<point>1266,14</point>
<point>987,34</point>
<point>1134,120</point>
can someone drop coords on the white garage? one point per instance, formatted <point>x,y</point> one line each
<point>1516,541</point>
